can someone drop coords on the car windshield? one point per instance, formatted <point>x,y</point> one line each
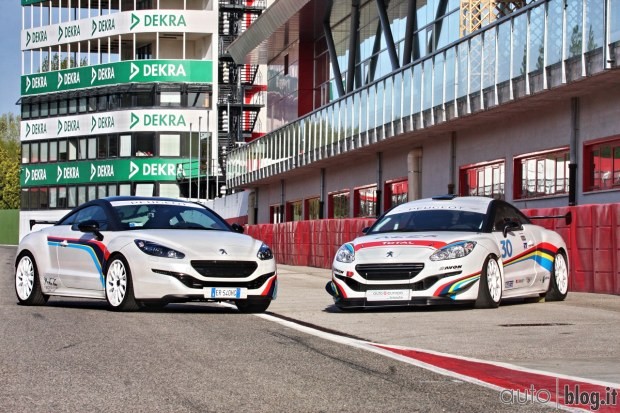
<point>167,215</point>
<point>430,220</point>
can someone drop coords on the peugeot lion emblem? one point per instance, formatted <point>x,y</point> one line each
<point>223,251</point>
<point>389,254</point>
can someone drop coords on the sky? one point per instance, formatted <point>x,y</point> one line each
<point>10,55</point>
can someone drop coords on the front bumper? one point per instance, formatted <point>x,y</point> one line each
<point>177,280</point>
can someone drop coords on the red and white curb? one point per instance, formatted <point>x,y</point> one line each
<point>516,385</point>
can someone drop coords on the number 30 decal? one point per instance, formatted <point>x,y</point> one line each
<point>506,248</point>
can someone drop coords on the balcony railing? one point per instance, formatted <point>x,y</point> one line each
<point>542,46</point>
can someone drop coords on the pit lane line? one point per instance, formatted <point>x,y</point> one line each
<point>498,376</point>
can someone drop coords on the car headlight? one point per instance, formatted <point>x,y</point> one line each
<point>264,253</point>
<point>456,250</point>
<point>346,253</point>
<point>158,250</point>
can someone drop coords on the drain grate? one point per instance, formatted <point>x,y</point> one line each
<point>535,324</point>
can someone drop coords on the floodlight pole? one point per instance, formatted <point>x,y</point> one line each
<point>199,155</point>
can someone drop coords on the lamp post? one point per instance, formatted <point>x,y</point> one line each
<point>190,162</point>
<point>199,155</point>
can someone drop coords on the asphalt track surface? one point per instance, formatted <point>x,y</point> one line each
<point>302,355</point>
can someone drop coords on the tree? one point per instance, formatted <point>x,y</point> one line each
<point>10,152</point>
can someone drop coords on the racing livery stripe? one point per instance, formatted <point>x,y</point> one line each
<point>96,249</point>
<point>401,243</point>
<point>339,289</point>
<point>543,254</point>
<point>452,288</point>
<point>269,290</point>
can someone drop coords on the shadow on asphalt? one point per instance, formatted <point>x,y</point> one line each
<point>422,308</point>
<point>174,308</point>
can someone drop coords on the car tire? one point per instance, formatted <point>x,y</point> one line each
<point>253,306</point>
<point>558,285</point>
<point>490,286</point>
<point>27,283</point>
<point>119,285</point>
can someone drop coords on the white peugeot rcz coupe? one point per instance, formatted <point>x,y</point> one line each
<point>139,251</point>
<point>449,250</point>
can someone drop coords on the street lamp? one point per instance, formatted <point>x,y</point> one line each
<point>199,155</point>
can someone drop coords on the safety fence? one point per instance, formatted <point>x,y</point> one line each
<point>592,238</point>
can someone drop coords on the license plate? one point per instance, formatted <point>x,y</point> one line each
<point>388,295</point>
<point>219,292</point>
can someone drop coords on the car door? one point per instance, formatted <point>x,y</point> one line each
<point>81,256</point>
<point>517,246</point>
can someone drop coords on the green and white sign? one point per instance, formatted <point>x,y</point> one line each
<point>138,71</point>
<point>138,21</point>
<point>90,172</point>
<point>162,120</point>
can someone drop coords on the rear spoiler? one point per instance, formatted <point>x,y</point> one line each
<point>34,222</point>
<point>568,217</point>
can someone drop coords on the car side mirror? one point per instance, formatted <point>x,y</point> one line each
<point>237,228</point>
<point>365,230</point>
<point>511,226</point>
<point>90,226</point>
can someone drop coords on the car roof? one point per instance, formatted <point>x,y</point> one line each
<point>477,204</point>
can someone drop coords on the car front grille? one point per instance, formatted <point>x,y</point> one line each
<point>193,282</point>
<point>416,286</point>
<point>225,269</point>
<point>389,272</point>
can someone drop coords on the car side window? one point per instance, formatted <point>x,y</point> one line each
<point>505,213</point>
<point>95,213</point>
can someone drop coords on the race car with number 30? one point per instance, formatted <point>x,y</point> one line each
<point>142,251</point>
<point>447,250</point>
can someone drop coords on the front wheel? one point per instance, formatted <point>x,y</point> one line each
<point>490,286</point>
<point>253,306</point>
<point>27,284</point>
<point>119,286</point>
<point>558,285</point>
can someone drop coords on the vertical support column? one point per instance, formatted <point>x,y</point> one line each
<point>379,193</point>
<point>322,194</point>
<point>453,178</point>
<point>414,174</point>
<point>574,139</point>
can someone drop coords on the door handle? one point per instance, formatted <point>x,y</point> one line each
<point>64,243</point>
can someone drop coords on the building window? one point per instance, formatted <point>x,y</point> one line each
<point>339,205</point>
<point>602,166</point>
<point>396,193</point>
<point>169,145</point>
<point>294,211</point>
<point>312,208</point>
<point>541,175</point>
<point>25,153</point>
<point>365,202</point>
<point>145,144</point>
<point>275,214</point>
<point>483,180</point>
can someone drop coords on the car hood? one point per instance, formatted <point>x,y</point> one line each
<point>406,245</point>
<point>200,244</point>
